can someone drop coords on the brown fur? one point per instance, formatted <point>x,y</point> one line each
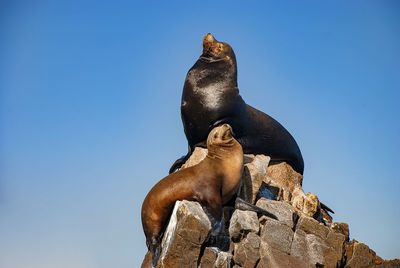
<point>212,182</point>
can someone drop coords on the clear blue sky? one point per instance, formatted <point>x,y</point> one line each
<point>90,117</point>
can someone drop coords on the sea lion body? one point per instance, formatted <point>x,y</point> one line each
<point>213,182</point>
<point>211,97</point>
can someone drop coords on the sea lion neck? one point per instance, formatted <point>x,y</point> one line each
<point>217,57</point>
<point>229,60</point>
<point>204,73</point>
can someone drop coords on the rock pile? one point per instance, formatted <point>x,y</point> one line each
<point>303,234</point>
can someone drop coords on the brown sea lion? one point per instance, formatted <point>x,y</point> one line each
<point>211,97</point>
<point>212,182</point>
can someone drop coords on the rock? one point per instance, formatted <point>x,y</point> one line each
<point>271,257</point>
<point>335,243</point>
<point>277,235</point>
<point>299,245</point>
<point>224,260</point>
<point>247,252</point>
<point>312,226</point>
<point>209,257</point>
<point>360,255</point>
<point>196,157</point>
<point>243,222</point>
<point>342,228</point>
<point>253,175</point>
<point>302,236</point>
<point>298,197</point>
<point>147,261</point>
<point>285,174</point>
<point>311,205</point>
<point>308,203</point>
<point>279,190</point>
<point>282,210</point>
<point>315,243</point>
<point>315,249</point>
<point>395,263</point>
<point>187,230</point>
<point>214,258</point>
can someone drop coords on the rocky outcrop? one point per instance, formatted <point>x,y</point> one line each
<point>301,235</point>
<point>187,230</point>
<point>360,255</point>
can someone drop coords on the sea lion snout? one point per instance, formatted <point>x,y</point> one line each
<point>220,135</point>
<point>224,131</point>
<point>232,133</point>
<point>208,41</point>
<point>214,51</point>
<point>227,131</point>
<point>212,46</point>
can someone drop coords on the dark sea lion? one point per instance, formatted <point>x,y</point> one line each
<point>212,182</point>
<point>211,97</point>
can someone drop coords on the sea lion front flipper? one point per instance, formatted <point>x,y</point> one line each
<point>180,161</point>
<point>323,206</point>
<point>243,205</point>
<point>154,245</point>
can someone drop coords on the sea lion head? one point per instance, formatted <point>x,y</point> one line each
<point>216,67</point>
<point>220,136</point>
<point>217,51</point>
<point>222,146</point>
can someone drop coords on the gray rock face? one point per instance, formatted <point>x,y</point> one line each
<point>253,176</point>
<point>277,235</point>
<point>247,252</point>
<point>243,222</point>
<point>213,257</point>
<point>285,174</point>
<point>271,257</point>
<point>311,226</point>
<point>282,210</point>
<point>198,155</point>
<point>315,243</point>
<point>296,239</point>
<point>342,228</point>
<point>187,230</point>
<point>223,260</point>
<point>360,255</point>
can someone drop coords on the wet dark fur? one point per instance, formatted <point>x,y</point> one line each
<point>211,97</point>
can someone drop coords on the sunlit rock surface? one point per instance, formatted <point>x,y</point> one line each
<point>302,236</point>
